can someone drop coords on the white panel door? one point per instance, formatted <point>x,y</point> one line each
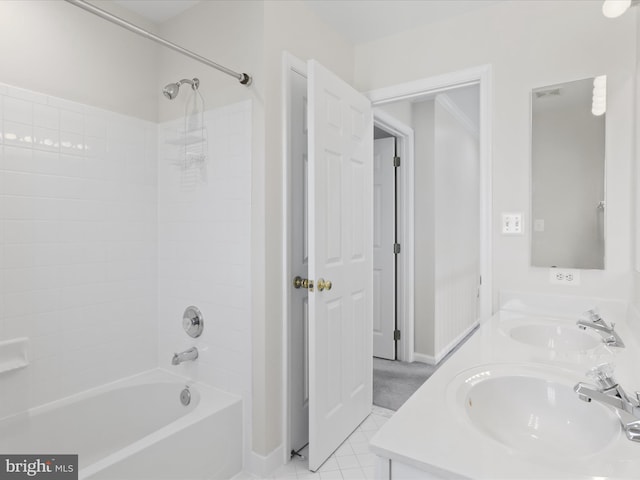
<point>384,275</point>
<point>340,213</point>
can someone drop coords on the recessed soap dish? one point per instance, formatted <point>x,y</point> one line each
<point>13,354</point>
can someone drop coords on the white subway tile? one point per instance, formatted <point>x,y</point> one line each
<point>18,134</point>
<point>16,110</point>
<point>46,139</point>
<point>72,122</point>
<point>46,116</point>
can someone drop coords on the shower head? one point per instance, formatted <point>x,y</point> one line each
<point>171,90</point>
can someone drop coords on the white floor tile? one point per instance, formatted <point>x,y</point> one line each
<point>353,474</point>
<point>308,476</point>
<point>370,424</point>
<point>329,466</point>
<point>345,449</point>
<point>366,459</point>
<point>360,447</point>
<point>369,472</point>
<point>333,475</point>
<point>358,436</point>
<point>348,461</point>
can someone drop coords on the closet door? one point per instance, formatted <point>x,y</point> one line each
<point>340,214</point>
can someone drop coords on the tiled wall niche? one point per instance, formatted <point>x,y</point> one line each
<point>78,245</point>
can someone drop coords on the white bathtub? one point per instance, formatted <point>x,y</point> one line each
<point>136,429</point>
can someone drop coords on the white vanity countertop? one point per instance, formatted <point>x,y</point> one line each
<point>433,432</point>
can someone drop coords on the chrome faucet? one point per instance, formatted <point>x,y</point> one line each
<point>595,322</point>
<point>186,356</point>
<point>608,392</point>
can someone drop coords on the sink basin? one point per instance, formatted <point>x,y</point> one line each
<point>536,416</point>
<point>555,337</point>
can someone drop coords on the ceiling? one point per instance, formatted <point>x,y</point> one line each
<point>358,20</point>
<point>367,20</point>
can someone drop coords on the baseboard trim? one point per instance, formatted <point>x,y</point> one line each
<point>443,353</point>
<point>264,465</point>
<point>421,357</point>
<point>435,360</point>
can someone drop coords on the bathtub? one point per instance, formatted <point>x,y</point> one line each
<point>136,429</point>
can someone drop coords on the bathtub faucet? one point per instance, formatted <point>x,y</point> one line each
<point>607,332</point>
<point>186,356</point>
<point>608,392</point>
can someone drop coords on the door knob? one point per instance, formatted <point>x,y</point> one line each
<point>324,285</point>
<point>305,283</point>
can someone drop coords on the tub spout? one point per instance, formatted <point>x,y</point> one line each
<point>186,356</point>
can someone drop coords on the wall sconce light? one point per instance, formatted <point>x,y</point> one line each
<point>615,8</point>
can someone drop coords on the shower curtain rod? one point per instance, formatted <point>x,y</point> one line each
<point>243,78</point>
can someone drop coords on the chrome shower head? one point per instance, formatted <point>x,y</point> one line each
<point>171,91</point>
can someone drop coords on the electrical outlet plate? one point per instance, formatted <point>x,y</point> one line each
<point>564,276</point>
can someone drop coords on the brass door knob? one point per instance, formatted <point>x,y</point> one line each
<point>305,283</point>
<point>324,284</point>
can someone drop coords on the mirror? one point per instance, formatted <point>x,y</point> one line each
<point>567,169</point>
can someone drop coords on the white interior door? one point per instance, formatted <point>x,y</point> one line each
<point>340,213</point>
<point>384,281</point>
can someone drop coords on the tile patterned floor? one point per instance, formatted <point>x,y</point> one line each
<point>351,461</point>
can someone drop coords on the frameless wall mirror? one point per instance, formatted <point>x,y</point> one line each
<point>568,169</point>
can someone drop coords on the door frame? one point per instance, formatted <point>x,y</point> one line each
<point>482,76</point>
<point>404,280</point>
<point>415,90</point>
<point>290,65</point>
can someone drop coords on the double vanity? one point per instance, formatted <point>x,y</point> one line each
<point>544,389</point>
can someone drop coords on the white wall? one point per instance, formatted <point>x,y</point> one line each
<point>446,206</point>
<point>77,245</point>
<point>425,219</point>
<point>457,226</point>
<point>290,25</point>
<point>530,44</point>
<point>58,49</point>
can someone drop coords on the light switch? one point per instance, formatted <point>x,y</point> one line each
<point>538,225</point>
<point>511,223</point>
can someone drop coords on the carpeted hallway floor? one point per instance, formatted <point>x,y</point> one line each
<point>394,382</point>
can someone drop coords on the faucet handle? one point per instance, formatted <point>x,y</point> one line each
<point>593,313</point>
<point>603,375</point>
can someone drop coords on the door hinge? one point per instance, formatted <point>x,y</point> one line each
<point>396,161</point>
<point>396,334</point>
<point>396,248</point>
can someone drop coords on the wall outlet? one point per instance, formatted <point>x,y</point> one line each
<point>564,276</point>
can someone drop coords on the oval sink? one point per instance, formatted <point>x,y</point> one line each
<point>536,416</point>
<point>555,337</point>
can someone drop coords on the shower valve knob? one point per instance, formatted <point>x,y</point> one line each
<point>193,322</point>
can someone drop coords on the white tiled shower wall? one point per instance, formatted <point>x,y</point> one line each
<point>204,220</point>
<point>78,241</point>
<point>104,242</point>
